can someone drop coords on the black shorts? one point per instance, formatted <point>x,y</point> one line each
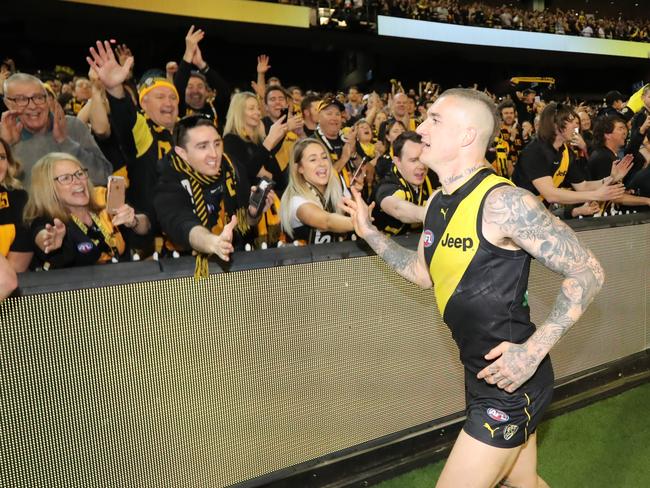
<point>501,419</point>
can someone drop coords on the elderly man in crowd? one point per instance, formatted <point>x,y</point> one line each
<point>36,125</point>
<point>144,138</point>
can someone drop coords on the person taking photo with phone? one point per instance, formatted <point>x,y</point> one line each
<point>69,226</point>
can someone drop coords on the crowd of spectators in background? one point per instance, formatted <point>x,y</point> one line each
<point>351,14</point>
<point>196,155</point>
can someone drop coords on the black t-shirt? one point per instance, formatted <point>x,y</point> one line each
<point>540,159</point>
<point>600,163</point>
<point>14,235</point>
<point>389,186</point>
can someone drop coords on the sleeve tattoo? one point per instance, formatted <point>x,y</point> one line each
<point>403,261</point>
<point>522,217</point>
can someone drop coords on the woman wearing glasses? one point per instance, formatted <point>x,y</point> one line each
<point>68,225</point>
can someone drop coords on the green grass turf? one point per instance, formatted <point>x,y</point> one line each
<point>606,444</point>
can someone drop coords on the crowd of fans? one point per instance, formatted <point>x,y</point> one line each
<point>208,169</point>
<point>352,14</point>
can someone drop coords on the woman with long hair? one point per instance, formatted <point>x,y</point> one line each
<point>246,141</point>
<point>69,226</point>
<point>309,209</point>
<point>388,132</point>
<point>15,242</point>
<point>250,149</point>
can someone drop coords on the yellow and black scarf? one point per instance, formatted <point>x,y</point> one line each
<point>230,204</point>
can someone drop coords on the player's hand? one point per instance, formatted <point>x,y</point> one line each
<point>513,366</point>
<point>360,213</point>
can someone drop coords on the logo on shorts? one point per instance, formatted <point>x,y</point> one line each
<point>428,238</point>
<point>492,431</point>
<point>85,247</point>
<point>509,431</point>
<point>497,415</point>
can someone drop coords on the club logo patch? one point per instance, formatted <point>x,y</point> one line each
<point>428,238</point>
<point>509,431</point>
<point>85,247</point>
<point>497,415</point>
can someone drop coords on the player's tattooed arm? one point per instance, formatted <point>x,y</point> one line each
<point>409,264</point>
<point>522,218</point>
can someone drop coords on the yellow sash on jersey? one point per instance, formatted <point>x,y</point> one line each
<point>451,260</point>
<point>284,153</point>
<point>635,103</point>
<point>561,172</point>
<point>500,163</point>
<point>7,236</point>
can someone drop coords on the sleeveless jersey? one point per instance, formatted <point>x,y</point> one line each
<point>481,289</point>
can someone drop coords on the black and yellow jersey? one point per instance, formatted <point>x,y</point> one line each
<point>14,236</point>
<point>481,289</point>
<point>143,143</point>
<point>394,185</point>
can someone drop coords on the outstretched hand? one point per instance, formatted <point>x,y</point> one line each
<point>54,235</point>
<point>224,247</point>
<point>360,213</point>
<point>263,63</point>
<point>109,71</point>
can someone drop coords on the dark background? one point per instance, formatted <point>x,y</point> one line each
<point>40,35</point>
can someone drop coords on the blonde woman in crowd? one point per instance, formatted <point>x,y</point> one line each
<point>309,209</point>
<point>68,225</point>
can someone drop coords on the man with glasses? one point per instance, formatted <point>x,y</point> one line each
<point>36,125</point>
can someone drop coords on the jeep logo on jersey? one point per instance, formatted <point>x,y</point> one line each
<point>85,247</point>
<point>428,238</point>
<point>463,243</point>
<point>497,415</point>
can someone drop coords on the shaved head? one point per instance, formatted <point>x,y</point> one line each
<point>478,111</point>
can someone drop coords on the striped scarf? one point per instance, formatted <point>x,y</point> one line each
<point>229,204</point>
